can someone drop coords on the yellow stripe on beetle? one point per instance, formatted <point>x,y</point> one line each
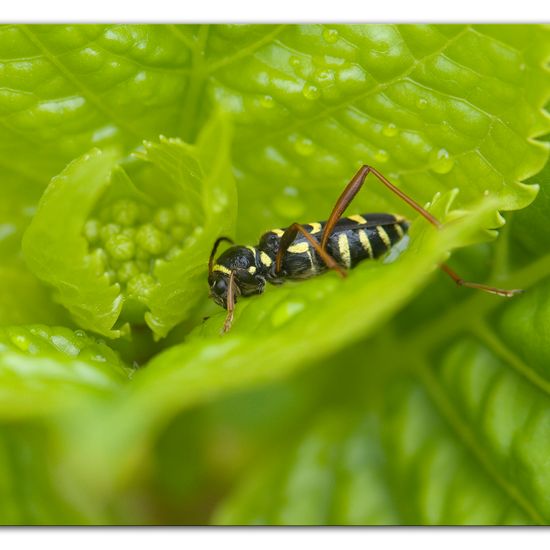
<point>299,248</point>
<point>357,218</point>
<point>265,259</point>
<point>315,228</point>
<point>222,269</point>
<point>399,230</point>
<point>343,248</point>
<point>365,242</point>
<point>384,236</point>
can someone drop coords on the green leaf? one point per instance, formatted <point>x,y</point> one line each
<point>57,252</point>
<point>31,490</point>
<point>107,267</point>
<point>44,370</point>
<point>68,88</point>
<point>210,196</point>
<point>433,107</point>
<point>15,282</point>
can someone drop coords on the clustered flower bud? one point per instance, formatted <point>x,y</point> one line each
<point>129,237</point>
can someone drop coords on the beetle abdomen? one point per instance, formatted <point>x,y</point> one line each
<point>354,238</point>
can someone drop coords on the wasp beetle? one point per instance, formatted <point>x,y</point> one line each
<point>301,251</point>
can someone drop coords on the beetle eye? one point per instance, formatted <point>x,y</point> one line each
<point>219,286</point>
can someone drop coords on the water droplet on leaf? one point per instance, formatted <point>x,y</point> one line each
<point>390,130</point>
<point>311,92</point>
<point>267,102</point>
<point>441,161</point>
<point>294,61</point>
<point>422,103</point>
<point>304,146</point>
<point>330,35</point>
<point>324,76</point>
<point>20,341</point>
<point>382,156</point>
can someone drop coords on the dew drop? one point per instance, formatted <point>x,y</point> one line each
<point>304,147</point>
<point>330,35</point>
<point>422,103</point>
<point>390,130</point>
<point>21,341</point>
<point>285,311</point>
<point>441,161</point>
<point>381,156</point>
<point>324,76</point>
<point>311,92</point>
<point>294,61</point>
<point>64,345</point>
<point>267,102</point>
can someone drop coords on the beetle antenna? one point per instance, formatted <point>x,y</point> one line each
<point>214,248</point>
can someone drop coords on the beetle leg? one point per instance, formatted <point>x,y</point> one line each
<point>353,187</point>
<point>287,239</point>
<point>485,288</point>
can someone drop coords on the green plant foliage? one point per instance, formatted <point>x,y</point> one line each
<point>389,397</point>
<point>142,251</point>
<point>42,368</point>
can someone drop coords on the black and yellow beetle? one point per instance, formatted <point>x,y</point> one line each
<point>302,251</point>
